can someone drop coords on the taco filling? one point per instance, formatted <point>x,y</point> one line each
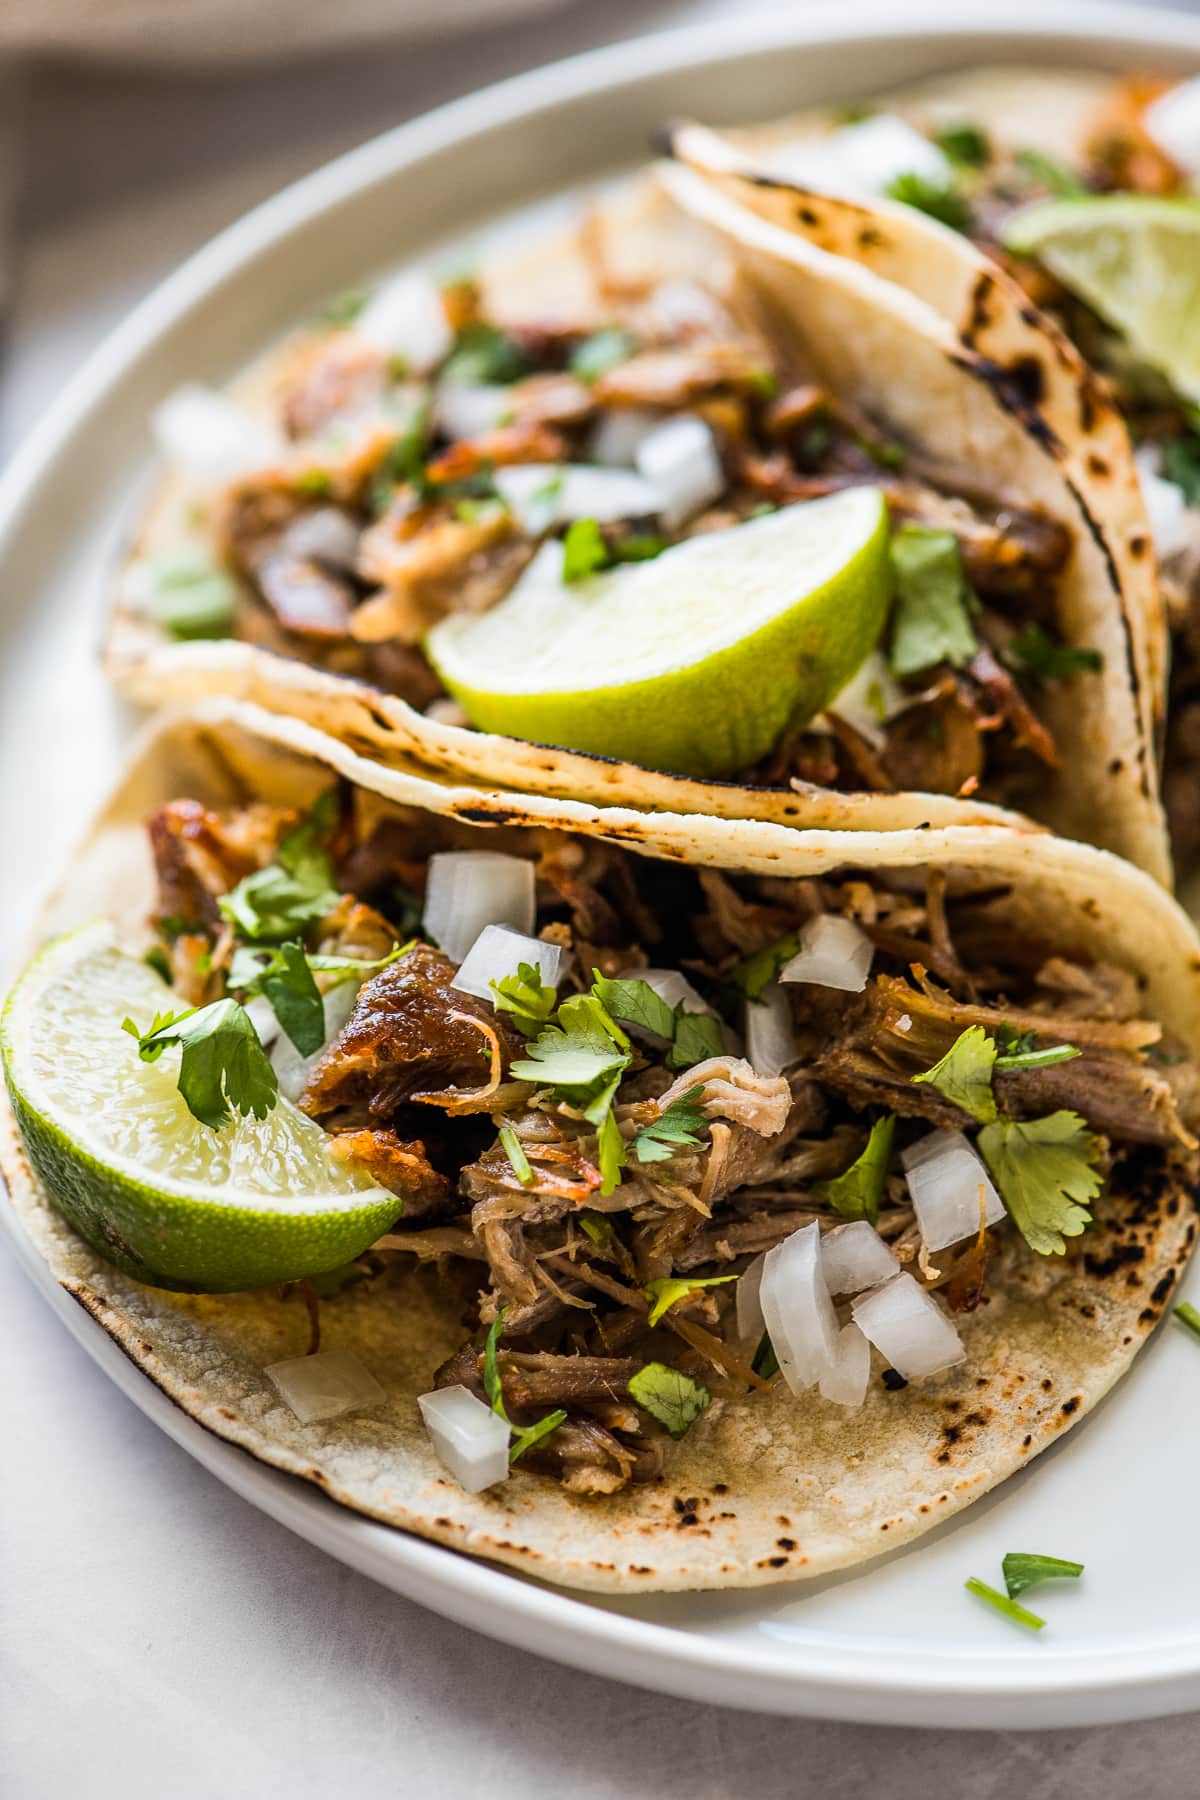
<point>388,489</point>
<point>665,1135</point>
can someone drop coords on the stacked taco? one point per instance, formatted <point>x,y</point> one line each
<point>628,1018</point>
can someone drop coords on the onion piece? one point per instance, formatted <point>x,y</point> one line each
<point>854,1257</point>
<point>620,433</point>
<point>209,436</point>
<point>797,1309</point>
<point>1166,504</point>
<point>946,1180</point>
<point>544,495</point>
<point>468,889</point>
<point>498,951</point>
<point>908,1326</point>
<point>681,462</point>
<point>846,1381</point>
<point>469,409</point>
<point>327,535</point>
<point>405,318</point>
<point>869,701</point>
<point>1173,121</point>
<point>864,158</point>
<point>261,1014</point>
<point>770,1031</point>
<point>673,987</point>
<point>325,1386</point>
<point>293,1070</point>
<point>750,1321</point>
<point>833,953</point>
<point>468,1436</point>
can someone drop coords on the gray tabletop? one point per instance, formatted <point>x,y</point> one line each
<point>157,1635</point>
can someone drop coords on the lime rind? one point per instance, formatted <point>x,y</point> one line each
<point>115,1147</point>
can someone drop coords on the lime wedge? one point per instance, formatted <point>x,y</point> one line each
<point>1135,258</point>
<point>694,662</point>
<point>167,1199</point>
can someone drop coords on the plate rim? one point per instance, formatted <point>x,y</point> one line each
<point>819,1680</point>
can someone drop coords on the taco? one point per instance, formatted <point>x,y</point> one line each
<point>662,1203</point>
<point>627,495</point>
<point>1049,216</point>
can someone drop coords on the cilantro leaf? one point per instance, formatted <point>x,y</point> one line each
<point>964,1074</point>
<point>1041,655</point>
<point>754,972</point>
<point>940,200</point>
<point>525,998</point>
<point>669,1396</point>
<point>611,1153</point>
<point>1050,174</point>
<point>518,1161</point>
<point>1043,1170</point>
<point>636,1003</point>
<point>1028,1058</point>
<point>1020,1615</point>
<point>675,1127</point>
<point>765,1362</point>
<point>600,352</point>
<point>483,355</point>
<point>525,1436</point>
<point>223,1063</point>
<point>597,1227</point>
<point>857,1192</point>
<point>967,146</point>
<point>156,958</point>
<point>1181,464</point>
<point>584,550</point>
<point>522,1436</point>
<point>1022,1570</point>
<point>663,1293</point>
<point>577,1053</point>
<point>190,594</point>
<point>292,892</point>
<point>697,1037</point>
<point>286,980</point>
<point>931,621</point>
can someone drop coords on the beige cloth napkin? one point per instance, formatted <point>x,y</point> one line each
<point>208,32</point>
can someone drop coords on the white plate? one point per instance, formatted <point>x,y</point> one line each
<point>899,1641</point>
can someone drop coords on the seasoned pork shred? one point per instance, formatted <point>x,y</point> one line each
<point>555,1213</point>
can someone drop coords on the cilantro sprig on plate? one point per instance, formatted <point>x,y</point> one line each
<point>676,1400</point>
<point>523,1436</point>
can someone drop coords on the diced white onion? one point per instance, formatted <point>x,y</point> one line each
<point>498,952</point>
<point>833,953</point>
<point>673,987</point>
<point>620,433</point>
<point>464,410</point>
<point>676,308</point>
<point>797,1309</point>
<point>547,494</point>
<point>869,700</point>
<point>1166,504</point>
<point>770,1031</point>
<point>406,318</point>
<point>209,436</point>
<point>864,158</point>
<point>1173,121</point>
<point>327,535</point>
<point>261,1015</point>
<point>854,1257</point>
<point>750,1321</point>
<point>908,1327</point>
<point>681,462</point>
<point>468,889</point>
<point>325,1386</point>
<point>947,1182</point>
<point>845,1382</point>
<point>468,1436</point>
<point>293,1070</point>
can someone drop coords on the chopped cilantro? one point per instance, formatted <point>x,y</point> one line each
<point>857,1192</point>
<point>663,1294</point>
<point>292,892</point>
<point>753,973</point>
<point>190,595</point>
<point>523,1436</point>
<point>524,996</point>
<point>1050,174</point>
<point>611,1153</point>
<point>344,308</point>
<point>697,1037</point>
<point>156,959</point>
<point>1029,1058</point>
<point>1043,1170</point>
<point>639,546</point>
<point>854,112</point>
<point>223,1065</point>
<point>518,1161</point>
<point>763,382</point>
<point>669,1396</point>
<point>940,200</point>
<point>1024,1570</point>
<point>674,1129</point>
<point>483,355</point>
<point>765,1362</point>
<point>582,1058</point>
<point>313,481</point>
<point>931,622</point>
<point>967,146</point>
<point>1014,1043</point>
<point>1187,1315</point>
<point>1181,464</point>
<point>597,1227</point>
<point>636,1003</point>
<point>287,981</point>
<point>1039,653</point>
<point>886,455</point>
<point>964,1074</point>
<point>597,354</point>
<point>1020,1615</point>
<point>584,550</point>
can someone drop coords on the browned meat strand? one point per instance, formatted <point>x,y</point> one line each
<point>411,1035</point>
<point>401,1167</point>
<point>200,854</point>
